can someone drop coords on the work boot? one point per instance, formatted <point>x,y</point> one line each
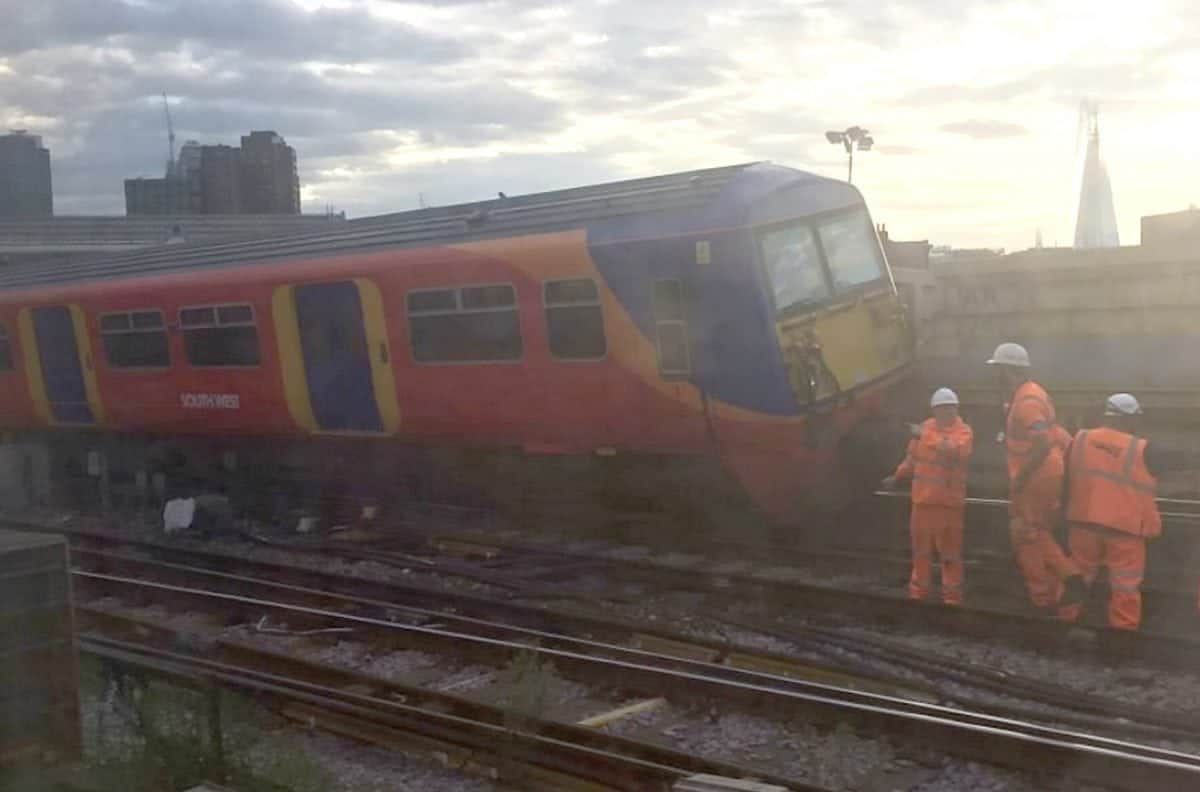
<point>1074,592</point>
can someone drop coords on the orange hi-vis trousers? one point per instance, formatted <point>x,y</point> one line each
<point>1039,557</point>
<point>1125,557</point>
<point>1041,561</point>
<point>937,529</point>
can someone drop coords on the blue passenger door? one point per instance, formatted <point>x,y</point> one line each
<point>62,373</point>
<point>337,360</point>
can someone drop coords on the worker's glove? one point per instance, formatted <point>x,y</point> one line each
<point>914,429</point>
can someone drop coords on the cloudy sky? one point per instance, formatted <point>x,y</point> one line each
<point>973,103</point>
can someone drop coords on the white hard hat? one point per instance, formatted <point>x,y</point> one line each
<point>1122,404</point>
<point>1010,354</point>
<point>943,396</point>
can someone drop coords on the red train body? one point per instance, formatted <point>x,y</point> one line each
<point>640,326</point>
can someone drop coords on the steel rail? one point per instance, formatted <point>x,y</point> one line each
<point>1168,651</point>
<point>781,587</point>
<point>297,670</point>
<point>378,716</point>
<point>1094,712</point>
<point>997,740</point>
<point>977,501</point>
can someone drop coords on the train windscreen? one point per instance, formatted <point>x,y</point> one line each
<point>851,250</point>
<point>808,262</point>
<point>794,266</point>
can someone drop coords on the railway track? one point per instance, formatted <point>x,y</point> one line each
<point>781,587</point>
<point>538,625</point>
<point>983,737</point>
<point>1084,757</point>
<point>541,755</point>
<point>829,653</point>
<point>553,624</point>
<point>877,558</point>
<point>992,578</point>
<point>795,589</point>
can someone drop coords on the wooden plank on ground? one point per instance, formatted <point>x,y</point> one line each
<point>712,783</point>
<point>605,718</point>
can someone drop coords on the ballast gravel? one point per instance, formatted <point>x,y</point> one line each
<point>354,767</point>
<point>1135,684</point>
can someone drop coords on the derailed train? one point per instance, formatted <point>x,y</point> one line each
<point>722,333</point>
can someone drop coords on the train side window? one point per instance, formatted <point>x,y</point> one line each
<point>6,358</point>
<point>220,335</point>
<point>135,339</point>
<point>432,300</point>
<point>472,324</point>
<point>574,319</point>
<point>670,319</point>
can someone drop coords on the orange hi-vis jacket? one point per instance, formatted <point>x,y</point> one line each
<point>937,464</point>
<point>1110,485</point>
<point>1031,414</point>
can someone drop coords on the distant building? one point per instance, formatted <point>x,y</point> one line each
<point>909,262</point>
<point>258,178</point>
<point>906,255</point>
<point>25,189</point>
<point>944,253</point>
<point>187,169</point>
<point>155,196</point>
<point>1096,223</point>
<point>220,179</point>
<point>270,182</point>
<point>1172,229</point>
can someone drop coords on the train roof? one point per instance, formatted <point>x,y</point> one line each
<point>498,217</point>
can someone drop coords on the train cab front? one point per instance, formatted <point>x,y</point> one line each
<point>842,342</point>
<point>839,322</point>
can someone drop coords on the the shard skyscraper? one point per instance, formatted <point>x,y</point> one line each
<point>1096,223</point>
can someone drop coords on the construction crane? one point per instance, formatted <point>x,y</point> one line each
<point>170,137</point>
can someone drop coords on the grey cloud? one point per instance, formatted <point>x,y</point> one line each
<point>980,129</point>
<point>884,24</point>
<point>295,101</point>
<point>466,180</point>
<point>958,92</point>
<point>1067,82</point>
<point>259,28</point>
<point>344,146</point>
<point>96,66</point>
<point>309,106</point>
<point>347,121</point>
<point>113,146</point>
<point>898,149</point>
<point>798,140</point>
<point>647,80</point>
<point>1113,81</point>
<point>620,66</point>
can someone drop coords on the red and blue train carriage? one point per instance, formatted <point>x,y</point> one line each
<point>743,317</point>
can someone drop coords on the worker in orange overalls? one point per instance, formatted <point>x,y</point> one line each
<point>937,464</point>
<point>1111,508</point>
<point>1034,443</point>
